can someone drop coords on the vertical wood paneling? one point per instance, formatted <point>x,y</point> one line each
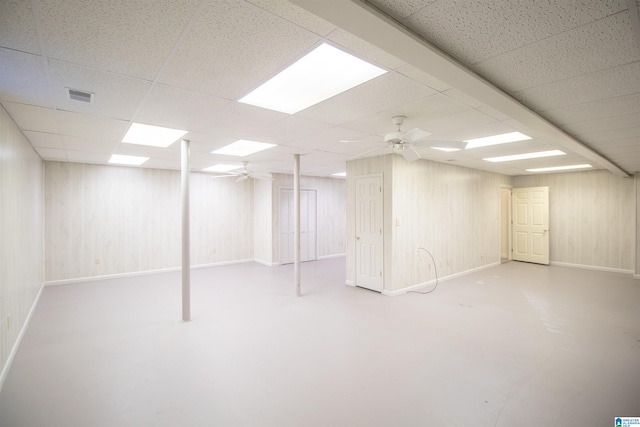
<point>262,221</point>
<point>21,229</point>
<point>129,220</point>
<point>451,211</point>
<point>592,217</point>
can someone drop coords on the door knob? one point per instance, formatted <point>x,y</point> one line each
<point>357,237</point>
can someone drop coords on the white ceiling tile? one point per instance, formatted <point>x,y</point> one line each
<point>17,27</point>
<point>603,124</point>
<point>419,114</point>
<point>233,47</point>
<point>382,93</point>
<point>618,106</point>
<point>400,9</point>
<point>29,117</point>
<point>51,153</point>
<point>45,140</point>
<point>364,50</point>
<point>115,96</point>
<point>296,15</point>
<point>87,157</point>
<point>132,38</point>
<point>605,137</point>
<point>177,108</point>
<point>94,145</point>
<point>84,125</point>
<point>290,128</point>
<point>596,46</point>
<point>458,126</point>
<point>24,79</point>
<point>240,121</point>
<point>604,84</point>
<point>475,30</point>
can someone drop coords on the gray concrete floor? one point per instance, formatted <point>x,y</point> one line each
<point>514,345</point>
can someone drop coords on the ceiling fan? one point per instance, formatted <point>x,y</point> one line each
<point>245,173</point>
<point>403,142</point>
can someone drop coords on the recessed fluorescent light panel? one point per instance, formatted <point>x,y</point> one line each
<point>525,156</point>
<point>560,168</point>
<point>154,136</point>
<point>243,147</point>
<point>121,159</point>
<point>220,167</point>
<point>496,139</point>
<point>324,72</point>
<point>339,174</point>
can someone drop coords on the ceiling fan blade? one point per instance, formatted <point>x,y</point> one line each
<point>223,176</point>
<point>262,175</point>
<point>415,135</point>
<point>373,150</point>
<point>445,145</point>
<point>409,153</point>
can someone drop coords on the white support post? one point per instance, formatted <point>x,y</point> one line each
<point>186,253</point>
<point>296,216</point>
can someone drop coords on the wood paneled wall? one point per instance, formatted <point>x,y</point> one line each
<point>592,217</point>
<point>451,211</point>
<point>331,218</point>
<point>263,221</point>
<point>21,231</point>
<point>104,220</point>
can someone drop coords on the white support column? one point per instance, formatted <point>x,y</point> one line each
<point>186,253</point>
<point>296,216</point>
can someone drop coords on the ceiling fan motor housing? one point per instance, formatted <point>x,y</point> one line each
<point>393,137</point>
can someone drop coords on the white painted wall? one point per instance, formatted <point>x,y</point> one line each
<point>21,231</point>
<point>592,217</point>
<point>129,219</point>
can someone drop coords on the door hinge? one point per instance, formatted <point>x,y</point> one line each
<point>381,189</point>
<point>381,274</point>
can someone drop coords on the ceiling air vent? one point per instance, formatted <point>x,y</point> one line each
<point>79,95</point>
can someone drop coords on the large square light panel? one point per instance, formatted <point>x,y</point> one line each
<point>220,167</point>
<point>525,156</point>
<point>243,147</point>
<point>324,72</point>
<point>496,139</point>
<point>154,136</point>
<point>121,159</point>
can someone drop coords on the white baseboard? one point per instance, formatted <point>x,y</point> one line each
<point>440,280</point>
<point>349,283</point>
<point>332,256</point>
<point>636,276</point>
<point>14,350</point>
<point>138,273</point>
<point>592,267</point>
<point>267,263</point>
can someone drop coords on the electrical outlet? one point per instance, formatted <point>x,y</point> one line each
<point>8,321</point>
<point>97,260</point>
<point>214,251</point>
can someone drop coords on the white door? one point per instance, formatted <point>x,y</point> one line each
<point>369,232</point>
<point>307,226</point>
<point>531,224</point>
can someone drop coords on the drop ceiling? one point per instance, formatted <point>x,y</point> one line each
<point>566,73</point>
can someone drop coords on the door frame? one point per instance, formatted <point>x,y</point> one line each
<point>509,223</point>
